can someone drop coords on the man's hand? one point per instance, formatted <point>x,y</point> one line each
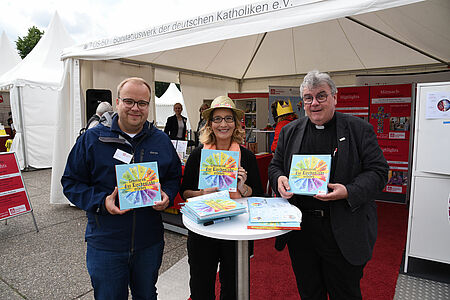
<point>339,191</point>
<point>110,204</point>
<point>162,205</point>
<point>284,188</point>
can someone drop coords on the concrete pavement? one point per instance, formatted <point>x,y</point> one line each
<point>50,264</point>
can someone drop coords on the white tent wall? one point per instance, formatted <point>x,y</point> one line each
<point>196,88</point>
<point>9,57</point>
<point>68,125</point>
<point>34,84</point>
<point>34,133</point>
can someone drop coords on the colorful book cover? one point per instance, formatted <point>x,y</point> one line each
<point>138,184</point>
<point>272,210</point>
<point>212,206</point>
<point>219,168</point>
<point>309,174</point>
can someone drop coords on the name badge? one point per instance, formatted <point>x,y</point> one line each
<point>123,156</point>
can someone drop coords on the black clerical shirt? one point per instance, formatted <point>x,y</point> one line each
<point>318,140</point>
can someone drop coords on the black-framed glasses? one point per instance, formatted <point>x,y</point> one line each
<point>320,97</point>
<point>228,119</point>
<point>129,103</point>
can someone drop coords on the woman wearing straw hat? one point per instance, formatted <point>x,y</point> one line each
<point>222,131</point>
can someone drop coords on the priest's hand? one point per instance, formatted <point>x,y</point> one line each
<point>284,188</point>
<point>338,192</point>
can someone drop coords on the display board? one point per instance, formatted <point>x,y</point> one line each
<point>390,115</point>
<point>14,199</point>
<point>354,101</point>
<point>429,218</point>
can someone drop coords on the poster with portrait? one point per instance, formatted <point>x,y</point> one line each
<point>390,111</point>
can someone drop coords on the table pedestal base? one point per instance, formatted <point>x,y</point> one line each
<point>243,271</point>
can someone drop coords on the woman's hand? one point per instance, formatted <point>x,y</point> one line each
<point>242,177</point>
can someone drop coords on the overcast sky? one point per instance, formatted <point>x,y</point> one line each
<point>88,20</point>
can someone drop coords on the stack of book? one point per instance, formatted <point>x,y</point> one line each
<point>273,213</point>
<point>212,206</point>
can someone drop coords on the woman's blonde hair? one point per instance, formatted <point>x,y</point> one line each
<point>207,135</point>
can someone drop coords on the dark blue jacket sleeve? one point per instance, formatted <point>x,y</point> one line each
<point>76,178</point>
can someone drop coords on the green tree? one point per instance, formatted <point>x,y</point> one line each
<point>26,44</point>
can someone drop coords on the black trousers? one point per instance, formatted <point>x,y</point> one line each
<point>318,264</point>
<point>204,255</point>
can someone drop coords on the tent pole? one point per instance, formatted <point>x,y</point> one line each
<point>22,125</point>
<point>253,57</point>
<point>398,41</point>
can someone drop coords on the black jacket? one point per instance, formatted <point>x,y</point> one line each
<point>360,166</point>
<point>172,127</point>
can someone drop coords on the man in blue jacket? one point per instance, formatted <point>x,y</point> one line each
<point>124,247</point>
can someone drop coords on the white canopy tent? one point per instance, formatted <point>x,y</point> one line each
<point>33,86</point>
<point>272,42</point>
<point>9,58</point>
<point>164,104</point>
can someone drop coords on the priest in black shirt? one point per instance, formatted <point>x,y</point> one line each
<point>339,228</point>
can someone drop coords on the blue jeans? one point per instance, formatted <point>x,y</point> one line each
<point>111,272</point>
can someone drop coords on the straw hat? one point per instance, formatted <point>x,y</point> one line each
<point>223,102</point>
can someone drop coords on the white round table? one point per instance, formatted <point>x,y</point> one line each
<point>235,229</point>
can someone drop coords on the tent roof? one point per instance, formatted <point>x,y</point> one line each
<point>305,35</point>
<point>8,55</point>
<point>43,65</point>
<point>171,96</point>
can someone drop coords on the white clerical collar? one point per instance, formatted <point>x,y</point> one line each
<point>319,126</point>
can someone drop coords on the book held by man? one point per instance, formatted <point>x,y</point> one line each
<point>212,206</point>
<point>138,185</point>
<point>219,168</point>
<point>309,174</point>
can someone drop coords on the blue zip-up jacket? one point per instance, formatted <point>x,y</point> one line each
<point>90,176</point>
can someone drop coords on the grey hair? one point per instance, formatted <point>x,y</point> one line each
<point>314,78</point>
<point>103,107</point>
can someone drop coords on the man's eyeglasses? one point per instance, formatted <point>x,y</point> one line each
<point>129,103</point>
<point>228,119</point>
<point>320,97</point>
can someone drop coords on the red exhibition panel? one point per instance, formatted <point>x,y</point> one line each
<point>10,183</point>
<point>13,197</point>
<point>396,153</point>
<point>354,101</point>
<point>390,111</point>
<point>8,164</point>
<point>14,204</point>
